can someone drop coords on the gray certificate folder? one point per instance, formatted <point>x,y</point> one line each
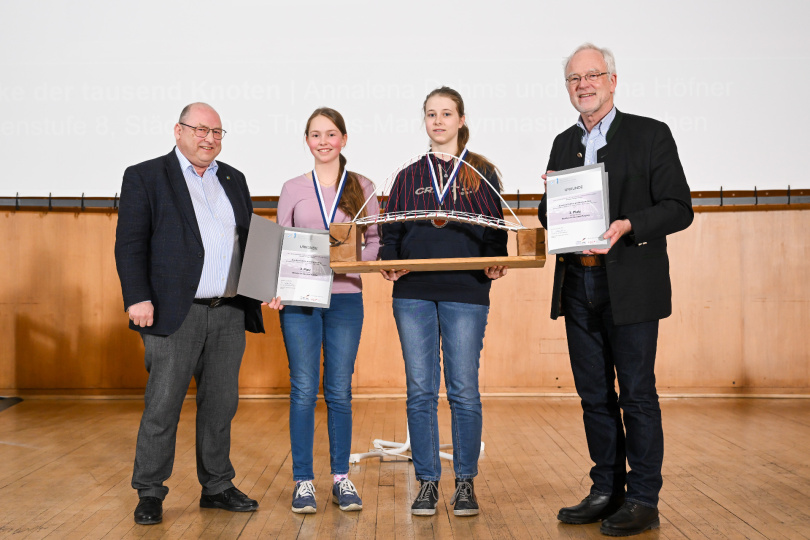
<point>259,276</point>
<point>263,260</point>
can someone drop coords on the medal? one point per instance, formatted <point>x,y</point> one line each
<point>439,191</point>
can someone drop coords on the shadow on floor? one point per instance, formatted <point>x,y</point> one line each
<point>6,402</point>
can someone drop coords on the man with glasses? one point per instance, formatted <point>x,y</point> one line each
<point>612,299</point>
<point>182,227</point>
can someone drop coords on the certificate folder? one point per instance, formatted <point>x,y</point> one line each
<point>289,262</point>
<point>577,209</point>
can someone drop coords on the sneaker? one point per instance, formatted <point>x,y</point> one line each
<point>304,498</point>
<point>345,494</point>
<point>425,502</point>
<point>464,498</point>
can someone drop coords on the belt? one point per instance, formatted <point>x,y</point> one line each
<point>583,260</point>
<point>214,302</point>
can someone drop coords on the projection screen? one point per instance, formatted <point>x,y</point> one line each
<point>90,87</point>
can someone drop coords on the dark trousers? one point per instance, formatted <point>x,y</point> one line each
<point>209,347</point>
<point>602,352</point>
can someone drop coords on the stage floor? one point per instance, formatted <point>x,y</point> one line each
<point>734,468</point>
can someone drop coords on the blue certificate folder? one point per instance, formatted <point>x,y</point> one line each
<point>272,268</point>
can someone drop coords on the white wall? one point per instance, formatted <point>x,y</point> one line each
<point>89,87</point>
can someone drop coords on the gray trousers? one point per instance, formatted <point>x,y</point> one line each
<point>209,347</point>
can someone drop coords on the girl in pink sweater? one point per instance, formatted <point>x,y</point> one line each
<point>313,200</point>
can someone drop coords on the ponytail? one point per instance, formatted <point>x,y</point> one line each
<point>353,197</point>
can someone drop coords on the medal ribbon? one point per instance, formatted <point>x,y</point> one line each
<point>440,197</point>
<point>331,216</point>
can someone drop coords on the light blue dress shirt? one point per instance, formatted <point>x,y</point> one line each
<point>215,218</point>
<point>597,138</point>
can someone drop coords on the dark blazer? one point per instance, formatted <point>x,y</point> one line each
<point>158,248</point>
<point>647,185</point>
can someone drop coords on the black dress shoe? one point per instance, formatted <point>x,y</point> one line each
<point>231,499</point>
<point>149,511</point>
<point>592,508</point>
<point>631,518</point>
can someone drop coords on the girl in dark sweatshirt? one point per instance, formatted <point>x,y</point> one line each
<point>444,311</point>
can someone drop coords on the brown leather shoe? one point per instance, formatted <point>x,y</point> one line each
<point>592,508</point>
<point>149,511</point>
<point>231,499</point>
<point>631,518</point>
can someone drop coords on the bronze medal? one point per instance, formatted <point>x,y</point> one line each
<point>440,223</point>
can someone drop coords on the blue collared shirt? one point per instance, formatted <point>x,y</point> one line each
<point>215,218</point>
<point>597,138</point>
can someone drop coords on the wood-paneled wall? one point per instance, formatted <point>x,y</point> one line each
<point>741,298</point>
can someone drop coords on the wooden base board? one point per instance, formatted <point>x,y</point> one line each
<point>469,263</point>
<point>345,255</point>
<point>382,392</point>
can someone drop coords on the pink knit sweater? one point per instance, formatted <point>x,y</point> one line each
<point>298,207</point>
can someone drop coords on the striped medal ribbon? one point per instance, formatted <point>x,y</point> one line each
<point>440,192</point>
<point>330,217</point>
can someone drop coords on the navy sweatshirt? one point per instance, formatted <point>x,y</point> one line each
<point>413,190</point>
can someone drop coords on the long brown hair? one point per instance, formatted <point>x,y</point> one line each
<point>469,178</point>
<point>353,197</point>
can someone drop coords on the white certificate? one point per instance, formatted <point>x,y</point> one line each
<point>577,209</point>
<point>287,262</point>
<point>304,276</point>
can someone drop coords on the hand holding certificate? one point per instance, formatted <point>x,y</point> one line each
<point>287,262</point>
<point>304,276</point>
<point>577,209</point>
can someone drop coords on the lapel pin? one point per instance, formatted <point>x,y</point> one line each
<point>227,178</point>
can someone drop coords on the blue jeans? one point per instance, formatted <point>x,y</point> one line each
<point>458,328</point>
<point>305,329</point>
<point>600,353</point>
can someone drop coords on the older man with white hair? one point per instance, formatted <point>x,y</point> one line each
<point>612,299</point>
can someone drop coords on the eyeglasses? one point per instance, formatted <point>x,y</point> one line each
<point>202,131</point>
<point>574,80</point>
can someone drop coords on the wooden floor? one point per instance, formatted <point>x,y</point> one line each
<point>734,468</point>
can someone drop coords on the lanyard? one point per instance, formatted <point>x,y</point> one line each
<point>441,196</point>
<point>327,219</point>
